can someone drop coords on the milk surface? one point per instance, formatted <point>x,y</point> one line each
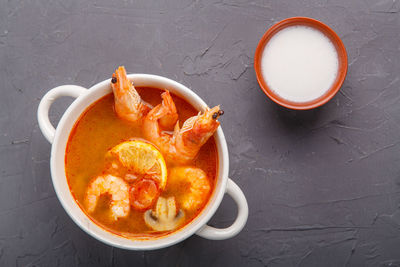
<point>299,63</point>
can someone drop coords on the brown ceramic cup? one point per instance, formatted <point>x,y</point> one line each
<point>342,56</point>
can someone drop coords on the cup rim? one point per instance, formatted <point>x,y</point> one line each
<point>328,32</point>
<point>102,234</point>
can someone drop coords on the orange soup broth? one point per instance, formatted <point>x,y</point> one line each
<point>98,130</point>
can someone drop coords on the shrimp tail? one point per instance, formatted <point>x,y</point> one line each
<point>170,113</point>
<point>175,134</point>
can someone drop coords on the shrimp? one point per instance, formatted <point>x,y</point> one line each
<point>116,187</point>
<point>196,184</point>
<point>128,103</point>
<point>170,117</point>
<point>184,144</point>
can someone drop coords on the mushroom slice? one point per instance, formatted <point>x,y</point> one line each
<point>165,217</point>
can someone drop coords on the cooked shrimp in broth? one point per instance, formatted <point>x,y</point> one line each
<point>183,145</point>
<point>196,185</point>
<point>142,162</point>
<point>116,187</point>
<point>128,103</point>
<point>170,115</point>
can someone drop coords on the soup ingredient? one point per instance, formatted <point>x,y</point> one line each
<point>184,144</point>
<point>165,217</point>
<point>195,183</point>
<point>142,158</point>
<point>143,193</point>
<point>170,116</point>
<point>299,63</point>
<point>116,187</point>
<point>128,103</point>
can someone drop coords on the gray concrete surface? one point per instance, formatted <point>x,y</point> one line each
<point>323,186</point>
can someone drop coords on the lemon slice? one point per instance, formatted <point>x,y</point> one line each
<point>142,158</point>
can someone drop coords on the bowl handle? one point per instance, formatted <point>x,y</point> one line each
<point>243,211</point>
<point>43,111</point>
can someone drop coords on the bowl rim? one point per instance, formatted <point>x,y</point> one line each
<point>93,229</point>
<point>328,32</point>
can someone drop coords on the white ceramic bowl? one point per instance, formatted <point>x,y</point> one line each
<point>59,137</point>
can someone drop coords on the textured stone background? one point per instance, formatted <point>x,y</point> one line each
<point>323,186</point>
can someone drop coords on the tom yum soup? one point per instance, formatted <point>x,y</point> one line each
<point>142,162</point>
<point>300,63</point>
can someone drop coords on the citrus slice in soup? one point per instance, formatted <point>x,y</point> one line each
<point>142,158</point>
